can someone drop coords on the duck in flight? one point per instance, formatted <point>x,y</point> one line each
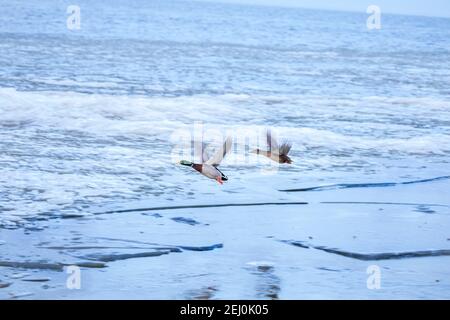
<point>209,165</point>
<point>275,152</point>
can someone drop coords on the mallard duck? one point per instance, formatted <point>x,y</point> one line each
<point>209,165</point>
<point>276,153</point>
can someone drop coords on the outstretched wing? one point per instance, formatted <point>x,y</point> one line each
<point>220,154</point>
<point>285,148</point>
<point>272,143</point>
<point>200,151</point>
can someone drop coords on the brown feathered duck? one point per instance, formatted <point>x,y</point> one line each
<point>275,152</point>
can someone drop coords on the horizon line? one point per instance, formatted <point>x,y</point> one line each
<point>287,6</point>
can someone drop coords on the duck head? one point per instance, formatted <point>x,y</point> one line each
<point>186,163</point>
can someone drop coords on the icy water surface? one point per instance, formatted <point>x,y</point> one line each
<point>90,119</point>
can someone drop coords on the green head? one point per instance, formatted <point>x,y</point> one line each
<point>186,163</point>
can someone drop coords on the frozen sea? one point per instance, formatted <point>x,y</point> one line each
<point>92,122</point>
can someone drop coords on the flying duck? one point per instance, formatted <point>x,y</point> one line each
<point>208,165</point>
<point>276,153</point>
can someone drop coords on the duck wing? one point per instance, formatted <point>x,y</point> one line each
<point>220,154</point>
<point>285,148</point>
<point>272,143</point>
<point>200,151</point>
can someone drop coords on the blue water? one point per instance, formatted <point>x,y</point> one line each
<point>185,48</point>
<point>93,122</point>
<point>90,117</point>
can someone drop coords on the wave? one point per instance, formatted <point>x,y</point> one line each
<point>422,207</point>
<point>65,152</point>
<point>372,256</point>
<point>364,185</point>
<point>205,206</point>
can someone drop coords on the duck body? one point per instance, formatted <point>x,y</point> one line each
<point>280,158</point>
<point>207,170</point>
<point>211,172</point>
